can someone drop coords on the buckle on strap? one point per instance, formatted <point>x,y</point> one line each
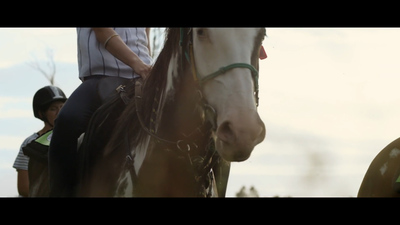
<point>122,93</point>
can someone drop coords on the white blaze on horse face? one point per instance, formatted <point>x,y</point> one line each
<point>232,93</point>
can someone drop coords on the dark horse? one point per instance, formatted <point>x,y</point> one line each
<point>382,176</point>
<point>176,134</point>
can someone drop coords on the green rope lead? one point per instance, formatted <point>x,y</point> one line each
<point>223,70</point>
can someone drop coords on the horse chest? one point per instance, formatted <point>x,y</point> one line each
<point>165,174</point>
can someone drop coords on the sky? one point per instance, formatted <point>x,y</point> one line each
<point>328,97</point>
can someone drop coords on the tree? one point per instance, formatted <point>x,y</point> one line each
<point>50,72</point>
<point>244,193</point>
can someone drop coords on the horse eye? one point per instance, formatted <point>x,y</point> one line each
<point>200,32</point>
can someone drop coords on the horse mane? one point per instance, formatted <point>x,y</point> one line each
<point>157,79</point>
<point>128,123</point>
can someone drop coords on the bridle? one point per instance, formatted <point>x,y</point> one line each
<point>209,111</point>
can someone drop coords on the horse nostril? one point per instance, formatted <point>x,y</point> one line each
<point>225,132</point>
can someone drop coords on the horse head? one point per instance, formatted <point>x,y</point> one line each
<point>224,62</point>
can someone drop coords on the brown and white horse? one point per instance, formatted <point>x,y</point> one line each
<point>196,110</point>
<point>381,178</point>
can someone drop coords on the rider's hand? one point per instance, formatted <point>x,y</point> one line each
<point>142,69</point>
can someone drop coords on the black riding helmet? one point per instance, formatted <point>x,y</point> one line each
<point>44,97</point>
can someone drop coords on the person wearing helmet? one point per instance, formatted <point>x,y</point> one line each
<point>107,58</point>
<point>47,102</point>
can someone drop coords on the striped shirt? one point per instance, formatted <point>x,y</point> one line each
<point>94,59</point>
<point>22,160</point>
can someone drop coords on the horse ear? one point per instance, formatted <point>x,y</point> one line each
<point>263,54</point>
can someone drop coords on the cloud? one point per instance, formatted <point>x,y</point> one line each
<point>9,99</point>
<point>15,113</point>
<point>9,142</point>
<point>15,107</point>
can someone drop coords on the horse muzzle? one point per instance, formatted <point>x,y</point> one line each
<point>238,134</point>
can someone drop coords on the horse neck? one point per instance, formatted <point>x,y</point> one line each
<point>178,114</point>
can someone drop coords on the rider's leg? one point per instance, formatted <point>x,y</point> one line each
<point>69,125</point>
